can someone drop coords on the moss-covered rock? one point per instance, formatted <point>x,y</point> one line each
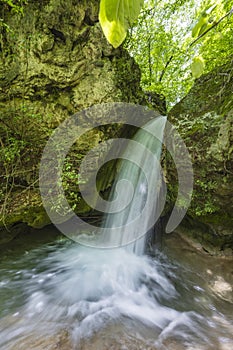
<point>55,61</point>
<point>204,119</point>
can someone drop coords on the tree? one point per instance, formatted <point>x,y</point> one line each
<point>176,42</point>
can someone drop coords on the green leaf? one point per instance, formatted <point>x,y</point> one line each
<point>203,28</point>
<point>116,16</point>
<point>202,22</point>
<point>210,8</point>
<point>197,66</point>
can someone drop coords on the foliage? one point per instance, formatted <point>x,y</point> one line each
<point>204,204</point>
<point>19,156</point>
<point>18,164</point>
<point>71,178</point>
<point>15,5</point>
<point>176,42</point>
<point>116,16</point>
<point>203,22</point>
<point>197,66</point>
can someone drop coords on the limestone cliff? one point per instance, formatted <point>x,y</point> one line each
<point>205,120</point>
<point>55,62</point>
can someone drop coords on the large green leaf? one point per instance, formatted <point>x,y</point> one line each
<point>202,23</point>
<point>197,66</point>
<point>116,16</point>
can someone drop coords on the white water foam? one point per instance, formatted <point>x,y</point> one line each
<point>86,289</point>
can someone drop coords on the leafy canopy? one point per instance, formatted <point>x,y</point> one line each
<point>174,42</point>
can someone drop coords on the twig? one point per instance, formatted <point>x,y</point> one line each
<point>164,70</point>
<point>213,26</point>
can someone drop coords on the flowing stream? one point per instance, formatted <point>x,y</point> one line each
<point>61,295</point>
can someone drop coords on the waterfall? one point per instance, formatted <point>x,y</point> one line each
<point>136,187</point>
<point>64,293</point>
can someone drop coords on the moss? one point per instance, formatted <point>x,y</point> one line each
<point>36,217</point>
<point>82,207</point>
<point>55,62</point>
<point>204,119</point>
<point>24,207</point>
<point>127,79</point>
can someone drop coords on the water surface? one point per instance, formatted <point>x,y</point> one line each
<point>60,295</point>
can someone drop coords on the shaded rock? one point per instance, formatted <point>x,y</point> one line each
<point>55,61</point>
<point>204,119</point>
<point>6,235</point>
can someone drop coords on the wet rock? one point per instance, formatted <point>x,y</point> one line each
<point>8,234</point>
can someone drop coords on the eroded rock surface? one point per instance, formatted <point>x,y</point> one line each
<point>55,61</point>
<point>204,119</point>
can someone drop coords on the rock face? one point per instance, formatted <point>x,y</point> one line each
<point>204,119</point>
<point>55,62</point>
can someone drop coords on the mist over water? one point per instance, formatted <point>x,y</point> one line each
<point>85,291</point>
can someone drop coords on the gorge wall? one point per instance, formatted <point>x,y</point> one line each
<point>204,119</point>
<point>55,62</point>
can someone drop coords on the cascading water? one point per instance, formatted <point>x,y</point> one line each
<point>142,182</point>
<point>66,296</point>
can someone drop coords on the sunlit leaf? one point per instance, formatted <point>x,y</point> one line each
<point>116,16</point>
<point>209,9</point>
<point>202,23</point>
<point>197,66</point>
<point>204,27</point>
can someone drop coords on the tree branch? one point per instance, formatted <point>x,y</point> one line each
<point>164,70</point>
<point>213,26</point>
